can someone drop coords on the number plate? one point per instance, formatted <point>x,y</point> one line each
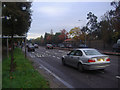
<point>101,59</point>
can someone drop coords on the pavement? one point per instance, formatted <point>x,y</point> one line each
<point>111,53</point>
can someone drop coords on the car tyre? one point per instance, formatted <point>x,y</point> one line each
<point>80,67</point>
<point>63,62</point>
<point>101,69</point>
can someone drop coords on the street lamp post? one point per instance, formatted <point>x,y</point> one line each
<point>25,44</point>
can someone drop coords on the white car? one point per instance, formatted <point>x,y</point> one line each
<point>86,59</point>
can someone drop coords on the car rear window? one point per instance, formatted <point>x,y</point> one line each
<point>91,52</point>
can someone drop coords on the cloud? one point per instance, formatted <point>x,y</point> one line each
<point>52,10</point>
<point>72,0</point>
<point>33,35</point>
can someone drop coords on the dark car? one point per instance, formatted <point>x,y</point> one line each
<point>54,45</point>
<point>61,45</point>
<point>116,46</point>
<point>49,46</point>
<point>31,48</point>
<point>69,46</point>
<point>82,46</point>
<point>36,45</point>
<point>27,45</point>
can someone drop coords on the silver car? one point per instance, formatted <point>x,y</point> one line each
<point>86,59</point>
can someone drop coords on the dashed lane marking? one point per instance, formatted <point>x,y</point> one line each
<point>53,56</point>
<point>58,58</point>
<point>118,77</point>
<point>33,52</point>
<point>33,56</point>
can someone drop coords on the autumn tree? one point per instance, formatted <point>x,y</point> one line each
<point>63,35</point>
<point>76,33</point>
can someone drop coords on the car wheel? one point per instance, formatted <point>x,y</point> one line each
<point>63,62</point>
<point>101,69</point>
<point>80,67</point>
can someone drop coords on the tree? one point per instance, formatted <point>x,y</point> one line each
<point>76,33</point>
<point>116,18</point>
<point>16,21</point>
<point>63,35</point>
<point>56,37</point>
<point>84,31</point>
<point>92,23</point>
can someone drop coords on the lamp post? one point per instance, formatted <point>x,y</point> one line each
<point>7,18</point>
<point>25,44</point>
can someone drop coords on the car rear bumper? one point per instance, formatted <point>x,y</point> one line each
<point>31,49</point>
<point>95,66</point>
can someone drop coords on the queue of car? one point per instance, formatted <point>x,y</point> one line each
<point>31,47</point>
<point>83,58</point>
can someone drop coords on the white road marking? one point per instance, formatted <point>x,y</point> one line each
<point>53,56</point>
<point>32,55</point>
<point>118,77</point>
<point>61,80</point>
<point>47,52</point>
<point>61,51</point>
<point>58,58</point>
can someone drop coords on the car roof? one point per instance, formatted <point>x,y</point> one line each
<point>85,49</point>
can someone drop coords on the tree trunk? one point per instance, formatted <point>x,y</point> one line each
<point>12,55</point>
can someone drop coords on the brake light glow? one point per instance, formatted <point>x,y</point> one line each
<point>108,59</point>
<point>91,60</point>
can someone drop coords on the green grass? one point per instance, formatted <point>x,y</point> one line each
<point>24,76</point>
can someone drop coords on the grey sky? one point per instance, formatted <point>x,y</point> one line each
<point>62,15</point>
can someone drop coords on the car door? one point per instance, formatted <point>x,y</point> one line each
<point>70,57</point>
<point>76,57</point>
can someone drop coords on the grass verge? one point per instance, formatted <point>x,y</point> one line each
<point>24,76</point>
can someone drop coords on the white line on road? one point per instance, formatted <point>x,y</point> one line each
<point>53,56</point>
<point>118,77</point>
<point>58,58</point>
<point>56,53</point>
<point>61,51</point>
<point>64,82</point>
<point>32,55</point>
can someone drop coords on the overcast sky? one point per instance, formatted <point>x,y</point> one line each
<point>63,15</point>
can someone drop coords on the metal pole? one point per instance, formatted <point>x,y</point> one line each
<point>25,45</point>
<point>7,48</point>
<point>85,38</point>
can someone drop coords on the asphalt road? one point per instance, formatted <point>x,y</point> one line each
<point>50,59</point>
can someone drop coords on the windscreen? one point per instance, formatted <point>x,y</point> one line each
<point>92,52</point>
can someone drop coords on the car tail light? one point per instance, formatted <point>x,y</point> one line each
<point>108,59</point>
<point>91,60</point>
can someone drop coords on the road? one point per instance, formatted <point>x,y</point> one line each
<point>50,59</point>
